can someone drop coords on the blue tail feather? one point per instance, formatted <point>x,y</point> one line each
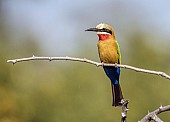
<point>113,73</point>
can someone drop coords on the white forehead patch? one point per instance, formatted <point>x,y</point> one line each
<point>100,26</point>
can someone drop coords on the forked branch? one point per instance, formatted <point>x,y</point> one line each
<point>153,115</point>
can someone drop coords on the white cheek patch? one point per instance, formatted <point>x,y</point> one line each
<point>103,33</point>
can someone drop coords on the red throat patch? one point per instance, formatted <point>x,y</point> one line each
<point>103,36</point>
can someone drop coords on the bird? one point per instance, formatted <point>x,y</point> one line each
<point>109,52</point>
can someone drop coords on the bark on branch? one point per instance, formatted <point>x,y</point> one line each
<point>162,74</point>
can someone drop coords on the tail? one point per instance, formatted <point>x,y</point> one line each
<point>117,94</point>
<point>113,73</point>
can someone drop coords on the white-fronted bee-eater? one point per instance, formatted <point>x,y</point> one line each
<point>109,52</point>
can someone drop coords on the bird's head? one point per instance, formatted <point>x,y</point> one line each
<point>103,31</point>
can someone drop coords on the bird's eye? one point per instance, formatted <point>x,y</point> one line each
<point>106,30</point>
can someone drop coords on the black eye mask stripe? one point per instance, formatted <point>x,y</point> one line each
<point>105,30</point>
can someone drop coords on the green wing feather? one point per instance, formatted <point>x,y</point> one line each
<point>118,52</point>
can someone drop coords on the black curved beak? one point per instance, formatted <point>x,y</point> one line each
<point>99,30</point>
<point>93,29</point>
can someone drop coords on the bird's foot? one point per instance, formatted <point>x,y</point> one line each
<point>102,63</point>
<point>116,65</point>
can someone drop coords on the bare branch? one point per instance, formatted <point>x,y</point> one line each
<point>153,115</point>
<point>162,74</point>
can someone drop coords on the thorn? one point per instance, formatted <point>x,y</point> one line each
<point>50,59</point>
<point>161,106</point>
<point>102,64</point>
<point>85,59</point>
<point>67,57</point>
<point>148,112</point>
<point>33,56</point>
<point>14,61</point>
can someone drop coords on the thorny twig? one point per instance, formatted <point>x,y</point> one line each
<point>153,115</point>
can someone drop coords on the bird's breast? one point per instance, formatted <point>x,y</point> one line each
<point>108,51</point>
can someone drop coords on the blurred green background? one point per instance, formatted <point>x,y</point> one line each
<point>63,91</point>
